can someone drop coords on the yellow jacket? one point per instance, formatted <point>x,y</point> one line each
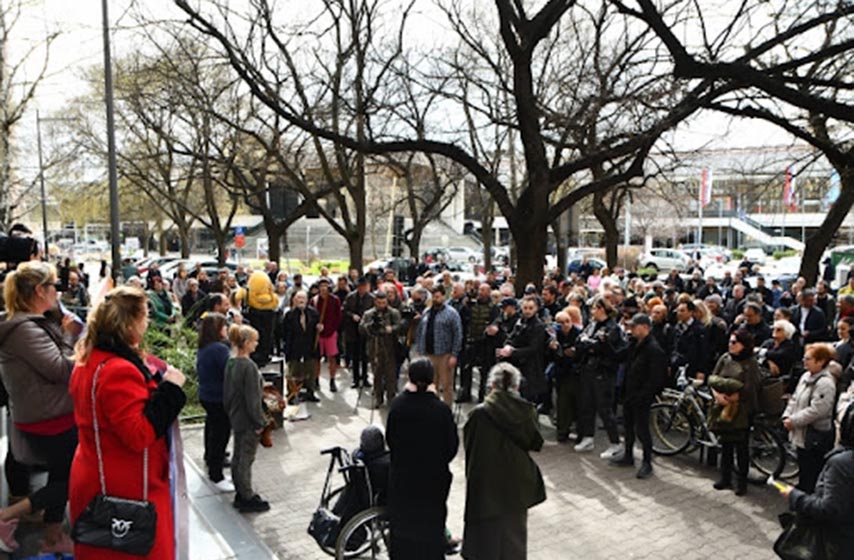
<point>261,293</point>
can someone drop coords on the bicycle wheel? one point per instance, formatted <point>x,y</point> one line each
<point>671,429</point>
<point>366,535</point>
<point>791,469</point>
<point>766,451</point>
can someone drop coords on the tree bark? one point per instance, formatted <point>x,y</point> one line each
<point>611,238</point>
<point>414,242</point>
<point>817,243</point>
<point>530,239</point>
<point>184,238</point>
<point>274,244</point>
<point>560,243</point>
<point>486,235</point>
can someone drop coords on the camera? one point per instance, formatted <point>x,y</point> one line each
<point>376,326</point>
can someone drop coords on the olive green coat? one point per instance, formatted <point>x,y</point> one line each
<point>747,372</point>
<point>501,477</point>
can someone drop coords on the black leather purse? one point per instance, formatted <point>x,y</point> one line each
<point>116,523</point>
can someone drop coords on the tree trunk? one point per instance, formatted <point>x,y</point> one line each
<point>355,242</point>
<point>609,225</point>
<point>221,248</point>
<point>414,242</point>
<point>274,244</point>
<point>530,239</point>
<point>184,238</point>
<point>818,242</point>
<point>486,235</point>
<point>560,243</point>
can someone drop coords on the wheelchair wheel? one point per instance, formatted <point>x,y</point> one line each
<point>366,535</point>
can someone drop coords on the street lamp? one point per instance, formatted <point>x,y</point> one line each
<point>39,121</point>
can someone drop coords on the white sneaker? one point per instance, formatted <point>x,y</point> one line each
<point>224,485</point>
<point>613,449</point>
<point>586,444</point>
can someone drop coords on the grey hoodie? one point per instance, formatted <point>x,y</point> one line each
<point>35,365</point>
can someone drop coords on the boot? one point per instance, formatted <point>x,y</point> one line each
<point>267,435</point>
<point>724,482</point>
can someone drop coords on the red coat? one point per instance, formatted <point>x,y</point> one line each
<point>121,395</point>
<point>331,319</point>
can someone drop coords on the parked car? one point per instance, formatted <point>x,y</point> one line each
<point>574,265</point>
<point>464,254</point>
<point>90,246</point>
<point>143,265</point>
<point>664,259</point>
<point>170,269</point>
<point>400,266</point>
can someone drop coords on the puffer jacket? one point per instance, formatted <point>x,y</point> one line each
<point>35,365</point>
<point>811,405</point>
<point>261,294</point>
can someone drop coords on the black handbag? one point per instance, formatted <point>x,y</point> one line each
<point>116,523</point>
<point>324,527</point>
<point>802,540</point>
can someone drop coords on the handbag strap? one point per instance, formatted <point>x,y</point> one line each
<point>98,452</point>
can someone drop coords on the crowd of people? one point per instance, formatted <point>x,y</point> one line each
<point>586,345</point>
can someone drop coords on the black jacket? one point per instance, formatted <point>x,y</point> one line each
<point>646,371</point>
<point>299,343</point>
<point>815,325</point>
<point>663,333</point>
<point>601,347</point>
<point>528,340</point>
<point>785,356</point>
<point>566,365</point>
<point>832,502</point>
<point>717,339</point>
<point>689,348</point>
<point>423,440</point>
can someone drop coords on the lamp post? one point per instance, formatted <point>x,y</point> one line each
<point>111,148</point>
<point>41,183</point>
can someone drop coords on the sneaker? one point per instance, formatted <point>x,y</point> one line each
<point>225,485</point>
<point>7,535</point>
<point>612,450</point>
<point>586,444</point>
<point>333,388</point>
<point>622,460</point>
<point>254,505</point>
<point>63,545</point>
<point>645,471</point>
<point>309,397</point>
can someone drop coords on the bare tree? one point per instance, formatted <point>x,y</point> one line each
<point>16,95</point>
<point>792,69</point>
<point>528,44</point>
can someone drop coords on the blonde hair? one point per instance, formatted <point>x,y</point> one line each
<point>19,289</point>
<point>705,314</point>
<point>113,318</point>
<point>240,335</point>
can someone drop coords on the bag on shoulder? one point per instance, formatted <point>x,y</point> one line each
<point>116,523</point>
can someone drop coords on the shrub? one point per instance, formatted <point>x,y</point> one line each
<point>737,254</point>
<point>786,253</point>
<point>178,348</point>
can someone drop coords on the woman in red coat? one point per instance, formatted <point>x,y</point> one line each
<point>135,410</point>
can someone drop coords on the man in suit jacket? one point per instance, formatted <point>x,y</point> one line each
<point>809,319</point>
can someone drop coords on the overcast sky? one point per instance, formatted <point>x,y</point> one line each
<point>80,46</point>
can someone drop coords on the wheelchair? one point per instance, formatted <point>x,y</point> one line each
<point>350,522</point>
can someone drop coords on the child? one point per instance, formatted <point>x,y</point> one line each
<point>242,397</point>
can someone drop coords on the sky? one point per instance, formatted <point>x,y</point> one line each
<point>80,46</point>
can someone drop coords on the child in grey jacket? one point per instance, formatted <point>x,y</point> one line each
<point>242,398</point>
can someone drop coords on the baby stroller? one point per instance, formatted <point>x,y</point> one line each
<point>350,521</point>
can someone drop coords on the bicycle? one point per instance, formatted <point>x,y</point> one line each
<point>679,423</point>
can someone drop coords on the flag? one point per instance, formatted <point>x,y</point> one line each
<point>789,193</point>
<point>833,189</point>
<point>706,187</point>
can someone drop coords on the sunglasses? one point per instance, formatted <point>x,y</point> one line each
<point>733,341</point>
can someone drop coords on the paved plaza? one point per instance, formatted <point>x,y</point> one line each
<point>593,510</point>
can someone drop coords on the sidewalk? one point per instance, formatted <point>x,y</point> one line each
<point>593,511</point>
